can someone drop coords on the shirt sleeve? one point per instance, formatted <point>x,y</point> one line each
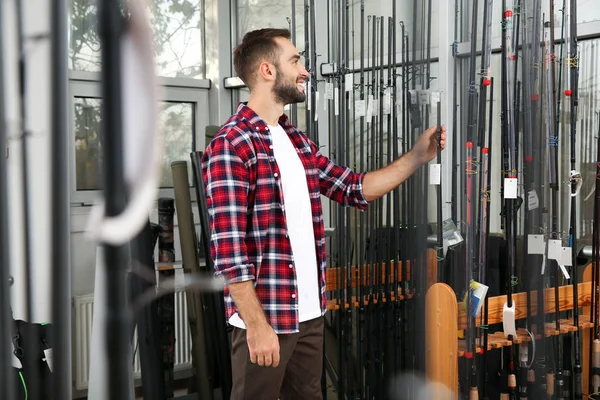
<point>226,181</point>
<point>339,183</point>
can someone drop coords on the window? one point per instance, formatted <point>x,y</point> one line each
<point>176,119</point>
<point>178,27</point>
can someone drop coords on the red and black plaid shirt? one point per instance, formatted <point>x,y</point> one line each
<point>249,238</point>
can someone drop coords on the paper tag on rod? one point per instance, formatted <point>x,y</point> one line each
<point>435,174</point>
<point>535,244</point>
<point>510,188</point>
<point>359,107</point>
<point>349,82</point>
<point>329,91</point>
<point>554,249</point>
<point>336,101</point>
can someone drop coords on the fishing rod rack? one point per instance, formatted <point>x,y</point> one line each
<point>444,314</point>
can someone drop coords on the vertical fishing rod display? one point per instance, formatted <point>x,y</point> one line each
<point>470,374</point>
<point>575,181</point>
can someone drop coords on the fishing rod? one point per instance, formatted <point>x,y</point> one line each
<point>509,191</point>
<point>471,365</point>
<point>61,305</point>
<point>117,319</point>
<point>486,226</point>
<point>484,185</point>
<point>361,264</point>
<point>575,178</point>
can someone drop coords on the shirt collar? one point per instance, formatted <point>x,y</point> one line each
<point>256,122</point>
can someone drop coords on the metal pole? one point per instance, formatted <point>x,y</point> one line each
<point>116,257</point>
<point>61,266</point>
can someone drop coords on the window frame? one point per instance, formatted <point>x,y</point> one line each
<point>88,84</point>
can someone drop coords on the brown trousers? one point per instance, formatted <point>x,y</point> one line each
<point>298,375</point>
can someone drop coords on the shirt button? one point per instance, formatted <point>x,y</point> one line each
<point>291,266</point>
<point>270,146</point>
<point>276,175</point>
<point>293,296</point>
<point>282,207</point>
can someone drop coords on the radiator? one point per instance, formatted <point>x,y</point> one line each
<point>83,313</point>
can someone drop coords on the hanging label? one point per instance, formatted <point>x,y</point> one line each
<point>375,107</point>
<point>554,249</point>
<point>387,101</point>
<point>423,97</point>
<point>510,188</point>
<point>435,174</point>
<point>536,244</point>
<point>370,109</point>
<point>350,101</point>
<point>349,82</point>
<point>566,256</point>
<point>316,106</point>
<point>329,91</point>
<point>336,101</point>
<point>451,235</point>
<point>308,96</point>
<point>435,99</point>
<point>532,200</point>
<point>359,108</point>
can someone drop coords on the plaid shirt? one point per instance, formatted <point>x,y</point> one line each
<point>249,238</point>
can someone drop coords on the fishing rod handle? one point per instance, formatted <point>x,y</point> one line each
<point>473,393</point>
<point>550,384</point>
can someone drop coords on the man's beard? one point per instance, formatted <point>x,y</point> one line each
<point>287,93</point>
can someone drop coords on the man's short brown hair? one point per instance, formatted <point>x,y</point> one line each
<point>257,46</point>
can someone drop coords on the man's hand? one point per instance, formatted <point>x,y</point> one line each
<point>263,345</point>
<point>425,148</point>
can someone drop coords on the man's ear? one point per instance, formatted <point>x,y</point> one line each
<point>267,71</point>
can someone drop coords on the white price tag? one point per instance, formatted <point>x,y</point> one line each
<point>375,107</point>
<point>316,106</point>
<point>532,200</point>
<point>536,244</point>
<point>435,98</point>
<point>336,101</point>
<point>329,91</point>
<point>308,97</point>
<point>370,109</point>
<point>349,82</point>
<point>566,256</point>
<point>510,188</point>
<point>554,249</point>
<point>387,101</point>
<point>435,174</point>
<point>423,97</point>
<point>359,107</point>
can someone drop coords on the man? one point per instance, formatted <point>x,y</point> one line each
<point>263,181</point>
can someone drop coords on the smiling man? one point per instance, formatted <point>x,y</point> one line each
<point>264,179</point>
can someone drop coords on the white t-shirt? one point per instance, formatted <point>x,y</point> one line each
<point>301,233</point>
